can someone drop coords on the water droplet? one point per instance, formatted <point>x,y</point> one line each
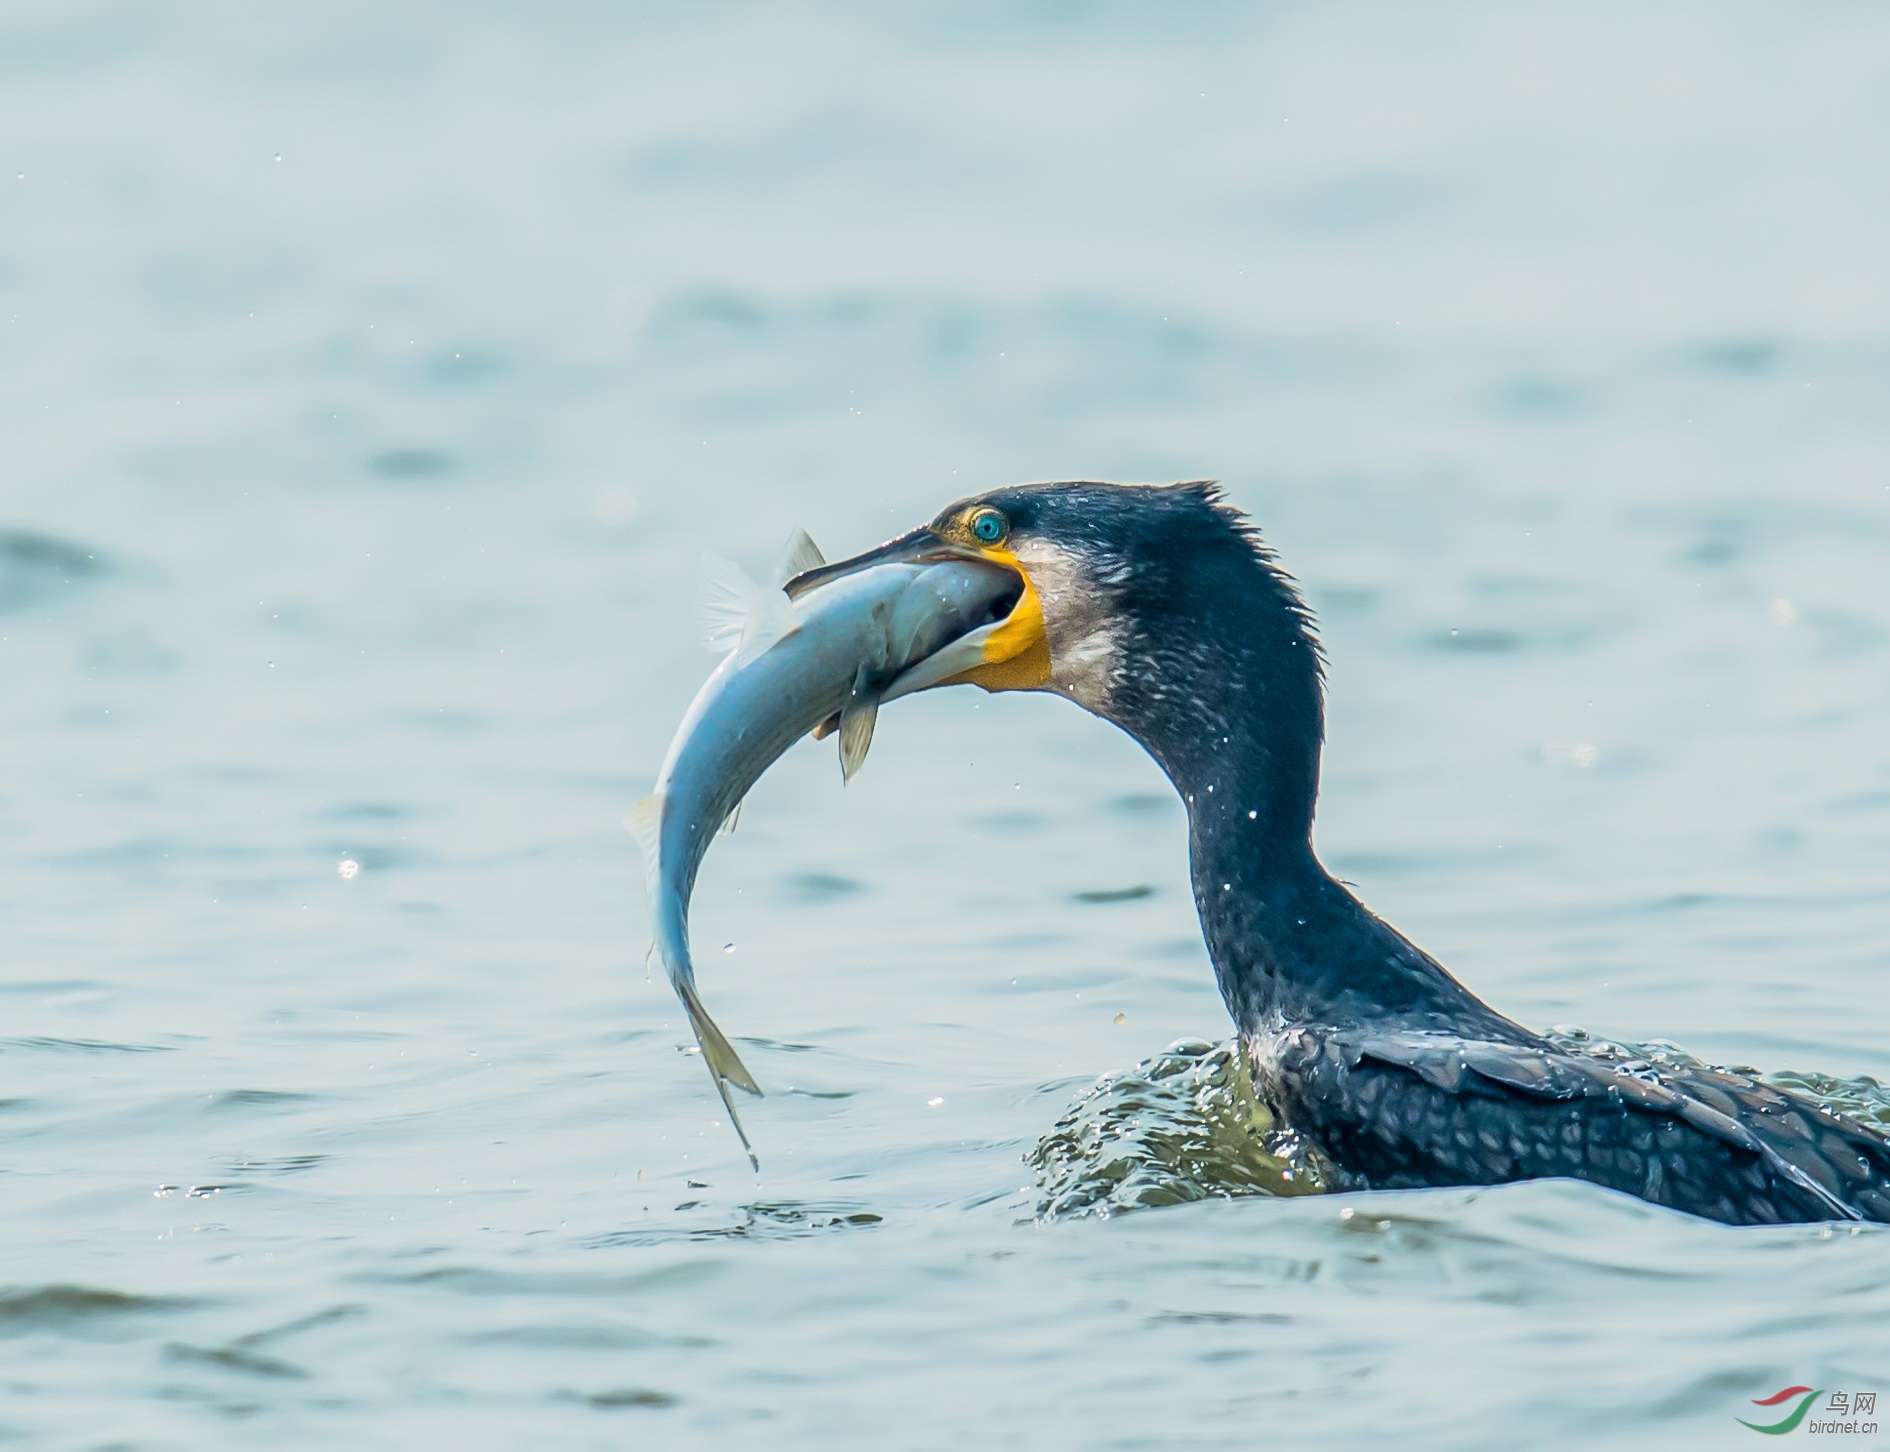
<point>934,1101</point>
<point>1253,816</point>
<point>728,947</point>
<point>347,869</point>
<point>1122,1018</point>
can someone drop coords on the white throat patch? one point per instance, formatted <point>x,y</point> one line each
<point>1078,623</point>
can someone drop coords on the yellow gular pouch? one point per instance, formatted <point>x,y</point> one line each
<point>1017,655</point>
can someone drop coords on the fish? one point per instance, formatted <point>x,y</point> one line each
<point>822,662</point>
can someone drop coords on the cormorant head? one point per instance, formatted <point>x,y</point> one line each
<point>1156,607</point>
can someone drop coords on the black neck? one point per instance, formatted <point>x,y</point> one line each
<point>1226,695</point>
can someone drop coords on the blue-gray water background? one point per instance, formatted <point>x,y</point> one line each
<point>371,378</point>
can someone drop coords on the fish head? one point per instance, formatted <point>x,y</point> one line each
<point>966,607</point>
<point>1066,549</point>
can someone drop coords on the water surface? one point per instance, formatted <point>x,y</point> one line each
<point>370,381</point>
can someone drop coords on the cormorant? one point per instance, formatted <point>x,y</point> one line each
<point>1159,608</point>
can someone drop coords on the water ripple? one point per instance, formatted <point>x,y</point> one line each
<point>83,1046</point>
<point>72,1309</point>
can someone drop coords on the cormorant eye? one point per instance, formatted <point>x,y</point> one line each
<point>988,526</point>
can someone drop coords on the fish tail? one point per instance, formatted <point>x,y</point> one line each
<point>738,614</point>
<point>721,1087</point>
<point>724,1063</point>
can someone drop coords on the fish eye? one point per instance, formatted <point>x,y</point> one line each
<point>988,525</point>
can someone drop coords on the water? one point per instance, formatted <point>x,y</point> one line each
<point>370,380</point>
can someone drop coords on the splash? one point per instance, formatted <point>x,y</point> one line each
<point>1186,1125</point>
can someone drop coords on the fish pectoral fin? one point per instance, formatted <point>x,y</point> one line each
<point>856,726</point>
<point>646,823</point>
<point>717,1052</point>
<point>856,735</point>
<point>802,555</point>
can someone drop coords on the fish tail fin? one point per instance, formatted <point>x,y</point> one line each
<point>738,614</point>
<point>735,1120</point>
<point>727,596</point>
<point>724,1063</point>
<point>646,823</point>
<point>802,555</point>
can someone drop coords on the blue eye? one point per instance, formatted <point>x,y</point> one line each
<point>989,526</point>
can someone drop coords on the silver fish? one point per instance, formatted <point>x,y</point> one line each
<point>826,659</point>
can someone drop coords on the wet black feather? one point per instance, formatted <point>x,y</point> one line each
<point>1362,1042</point>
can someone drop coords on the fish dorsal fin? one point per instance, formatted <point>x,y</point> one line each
<point>802,555</point>
<point>727,598</point>
<point>856,726</point>
<point>646,823</point>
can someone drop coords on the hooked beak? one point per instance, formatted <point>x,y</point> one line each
<point>915,547</point>
<point>1010,654</point>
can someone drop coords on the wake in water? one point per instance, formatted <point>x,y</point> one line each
<point>1186,1125</point>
